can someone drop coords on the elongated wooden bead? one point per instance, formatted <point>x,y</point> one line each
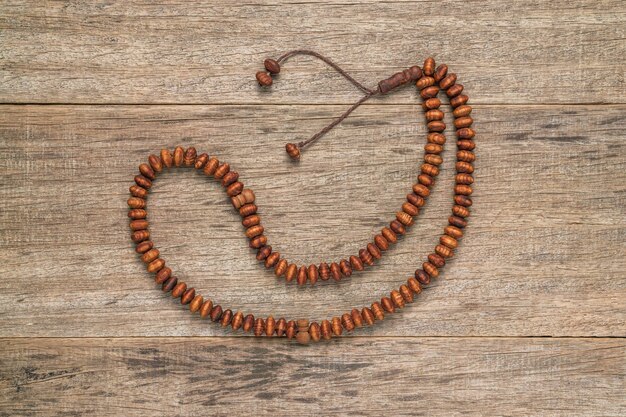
<point>227,318</point>
<point>272,259</point>
<point>345,268</point>
<point>136,203</point>
<point>460,211</point>
<point>259,327</point>
<point>397,227</point>
<point>281,327</point>
<point>397,299</point>
<point>387,304</point>
<point>254,231</point>
<point>381,242</point>
<point>201,161</point>
<point>136,214</point>
<point>248,323</point>
<point>156,265</point>
<point>436,126</point>
<point>434,115</point>
<point>459,100</point>
<point>190,156</point>
<point>461,189</point>
<point>302,336</point>
<point>406,293</point>
<point>464,179</point>
<point>156,163</point>
<point>237,321</point>
<point>425,82</point>
<point>422,277</point>
<point>366,257</point>
<point>291,330</point>
<point>336,326</point>
<point>205,308</point>
<point>389,235</point>
<point>270,326</point>
<point>357,319</point>
<point>324,271</point>
<point>138,191</point>
<point>315,332</point>
<point>462,122</point>
<point>302,275</point>
<point>188,295</point>
<point>234,189</point>
<point>433,148</point>
<point>291,272</point>
<point>216,313</point>
<point>229,178</point>
<point>251,220</point>
<point>455,232</point>
<point>429,66</point>
<point>426,180</point>
<point>179,154</point>
<point>346,322</point>
<point>416,200</point>
<point>410,209</point>
<point>414,285</point>
<point>335,271</point>
<point>140,224</point>
<point>196,303</point>
<point>221,171</point>
<point>464,167</point>
<point>143,182</point>
<point>281,267</point>
<point>436,138</point>
<point>462,111</point>
<point>326,330</point>
<point>179,289</point>
<point>163,275</point>
<point>140,236</point>
<point>457,221</point>
<point>211,166</point>
<point>454,91</point>
<point>150,256</point>
<point>430,269</point>
<point>166,158</point>
<point>368,316</point>
<point>312,274</point>
<point>374,251</point>
<point>144,247</point>
<point>404,218</point>
<point>356,263</point>
<point>465,133</point>
<point>258,242</point>
<point>429,92</point>
<point>263,253</point>
<point>377,310</point>
<point>431,103</point>
<point>448,81</point>
<point>465,145</point>
<point>247,210</point>
<point>147,171</point>
<point>444,251</point>
<point>436,260</point>
<point>440,72</point>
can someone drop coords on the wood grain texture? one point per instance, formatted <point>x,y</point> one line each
<point>549,201</point>
<point>398,377</point>
<point>526,51</point>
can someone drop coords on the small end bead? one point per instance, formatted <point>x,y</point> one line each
<point>293,151</point>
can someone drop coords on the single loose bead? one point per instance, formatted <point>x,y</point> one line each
<point>410,209</point>
<point>345,268</point>
<point>264,79</point>
<point>188,295</point>
<point>237,321</point>
<point>460,211</point>
<point>312,274</point>
<point>247,210</point>
<point>436,126</point>
<point>138,191</point>
<point>281,327</point>
<point>179,155</point>
<point>150,256</point>
<point>397,227</point>
<point>465,144</point>
<point>169,284</point>
<point>405,219</point>
<point>389,235</point>
<point>462,111</point>
<point>272,259</point>
<point>251,220</point>
<point>440,72</point>
<point>216,313</point>
<point>136,214</point>
<point>429,66</point>
<point>461,189</point>
<point>147,171</point>
<point>374,251</point>
<point>229,178</point>
<point>196,303</point>
<point>290,332</point>
<point>221,170</point>
<point>205,308</point>
<point>336,326</point>
<point>448,81</point>
<point>227,318</point>
<point>368,316</point>
<point>434,115</point>
<point>346,322</point>
<point>270,326</point>
<point>156,265</point>
<point>314,331</point>
<point>234,189</point>
<point>425,82</point>
<point>140,224</point>
<point>465,133</point>
<point>142,181</point>
<point>281,267</point>
<point>254,231</point>
<point>397,299</point>
<point>416,200</point>
<point>248,323</point>
<point>179,289</point>
<point>324,271</point>
<point>140,236</point>
<point>462,122</point>
<point>302,274</point>
<point>436,260</point>
<point>335,271</point>
<point>155,163</point>
<point>464,178</point>
<point>144,247</point>
<point>326,330</point>
<point>414,285</point>
<point>455,90</point>
<point>201,161</point>
<point>357,319</point>
<point>432,103</point>
<point>258,242</point>
<point>406,293</point>
<point>459,100</point>
<point>163,275</point>
<point>457,221</point>
<point>293,151</point>
<point>455,232</point>
<point>381,242</point>
<point>387,304</point>
<point>430,269</point>
<point>166,158</point>
<point>436,138</point>
<point>422,277</point>
<point>291,272</point>
<point>272,66</point>
<point>377,310</point>
<point>444,251</point>
<point>429,92</point>
<point>263,253</point>
<point>211,166</point>
<point>356,263</point>
<point>366,257</point>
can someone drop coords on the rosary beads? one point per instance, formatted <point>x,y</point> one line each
<point>429,80</point>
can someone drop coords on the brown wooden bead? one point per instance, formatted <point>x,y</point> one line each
<point>147,171</point>
<point>281,327</point>
<point>440,72</point>
<point>436,138</point>
<point>201,161</point>
<point>405,219</point>
<point>144,247</point>
<point>345,268</point>
<point>387,304</point>
<point>436,260</point>
<point>169,284</point>
<point>355,263</point>
<point>433,159</point>
<point>454,91</point>
<point>229,178</point>
<point>272,66</point>
<point>455,232</point>
<point>324,271</point>
<point>357,319</point>
<point>326,330</point>
<point>290,332</point>
<point>205,308</point>
<point>366,257</point>
<point>247,210</point>
<point>136,214</point>
<point>368,316</point>
<point>416,200</point>
<point>234,189</point>
<point>270,326</point>
<point>462,111</point>
<point>410,209</point>
<point>251,220</point>
<point>302,275</point>
<point>263,253</point>
<point>389,235</point>
<point>179,289</point>
<point>424,82</point>
<point>406,293</point>
<point>381,242</point>
<point>293,151</point>
<point>433,148</point>
<point>465,133</point>
<point>272,259</point>
<point>315,332</point>
<point>430,269</point>
<point>335,271</point>
<point>464,179</point>
<point>421,190</point>
<point>346,322</point>
<point>466,145</point>
<point>422,277</point>
<point>156,265</point>
<point>461,189</point>
<point>444,251</point>
<point>142,181</point>
<point>397,227</point>
<point>457,221</point>
<point>335,325</point>
<point>254,231</point>
<point>150,256</point>
<point>166,158</point>
<point>281,267</point>
<point>155,163</point>
<point>415,72</point>
<point>429,169</point>
<point>459,100</point>
<point>462,122</point>
<point>216,313</point>
<point>246,196</point>
<point>429,92</point>
<point>264,79</point>
<point>190,156</point>
<point>179,156</point>
<point>414,285</point>
<point>431,103</point>
<point>138,191</point>
<point>462,200</point>
<point>258,242</point>
<point>237,321</point>
<point>248,323</point>
<point>291,272</point>
<point>188,295</point>
<point>436,126</point>
<point>163,275</point>
<point>196,303</point>
<point>312,274</point>
<point>221,170</point>
<point>460,211</point>
<point>434,115</point>
<point>377,310</point>
<point>464,167</point>
<point>426,180</point>
<point>374,251</point>
<point>140,236</point>
<point>448,81</point>
<point>211,166</point>
<point>302,336</point>
<point>429,66</point>
<point>227,318</point>
<point>140,224</point>
<point>397,299</point>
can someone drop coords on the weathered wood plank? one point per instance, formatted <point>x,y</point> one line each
<point>364,376</point>
<point>543,254</point>
<point>566,51</point>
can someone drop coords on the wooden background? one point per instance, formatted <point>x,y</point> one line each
<point>528,319</point>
